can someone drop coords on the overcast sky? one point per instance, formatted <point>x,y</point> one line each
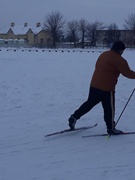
<point>33,11</point>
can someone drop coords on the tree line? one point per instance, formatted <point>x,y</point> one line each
<point>80,30</point>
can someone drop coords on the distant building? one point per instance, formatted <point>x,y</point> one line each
<point>25,36</point>
<point>105,38</point>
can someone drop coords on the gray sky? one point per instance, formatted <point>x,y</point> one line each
<point>33,11</point>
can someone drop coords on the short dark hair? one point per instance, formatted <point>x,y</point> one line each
<point>118,45</point>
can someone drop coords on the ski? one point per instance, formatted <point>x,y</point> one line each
<point>96,135</point>
<point>69,130</point>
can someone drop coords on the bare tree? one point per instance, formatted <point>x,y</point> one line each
<point>130,22</point>
<point>72,31</point>
<point>130,25</point>
<point>91,31</point>
<point>112,34</point>
<point>54,23</point>
<point>82,27</point>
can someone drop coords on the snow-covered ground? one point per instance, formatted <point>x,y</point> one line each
<point>38,92</point>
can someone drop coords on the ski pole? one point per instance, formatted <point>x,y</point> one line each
<point>125,107</point>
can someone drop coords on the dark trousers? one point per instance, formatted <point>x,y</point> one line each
<point>96,96</point>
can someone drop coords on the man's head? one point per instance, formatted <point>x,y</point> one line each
<point>118,46</point>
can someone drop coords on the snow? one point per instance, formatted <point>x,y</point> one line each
<point>21,29</point>
<point>39,90</point>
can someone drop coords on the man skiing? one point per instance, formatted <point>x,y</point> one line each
<point>109,66</point>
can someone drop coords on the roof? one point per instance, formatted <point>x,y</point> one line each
<point>20,29</point>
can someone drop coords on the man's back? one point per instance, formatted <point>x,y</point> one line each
<point>107,70</point>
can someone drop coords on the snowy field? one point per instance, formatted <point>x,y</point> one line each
<point>38,93</point>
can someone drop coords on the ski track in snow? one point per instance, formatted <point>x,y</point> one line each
<point>38,92</point>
